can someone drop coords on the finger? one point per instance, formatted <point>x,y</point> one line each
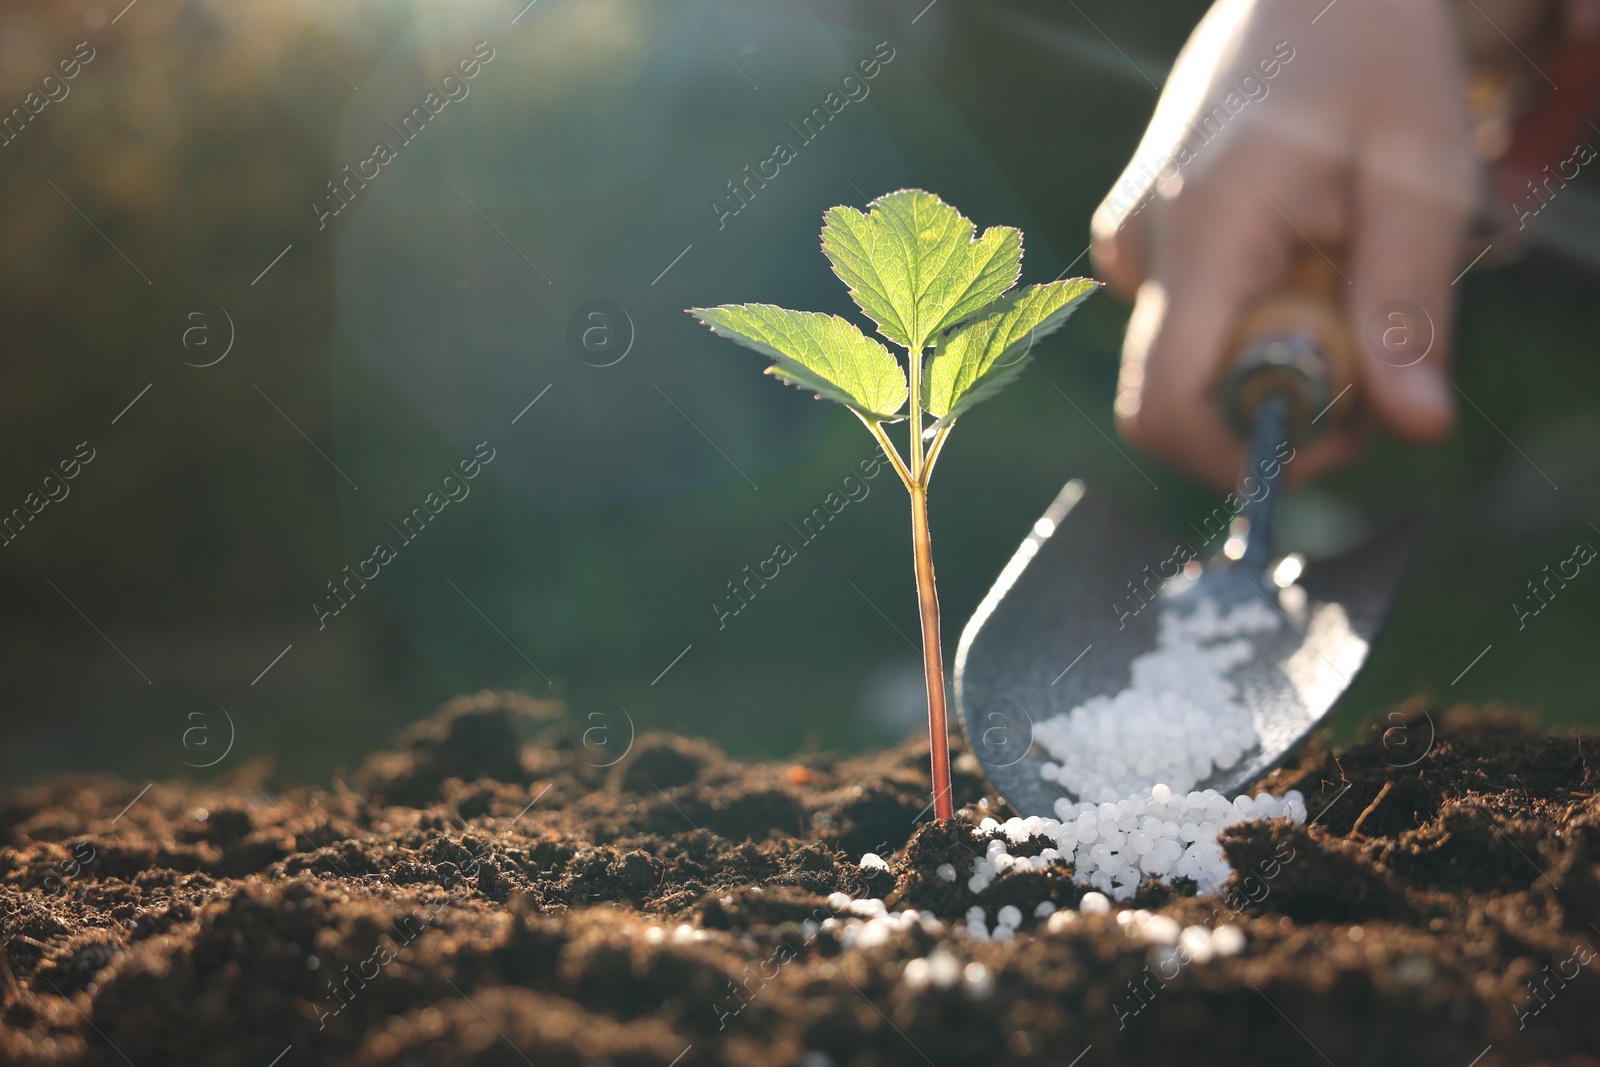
<point>1213,254</point>
<point>1413,189</point>
<point>1116,237</point>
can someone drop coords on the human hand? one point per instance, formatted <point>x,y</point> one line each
<point>1279,128</point>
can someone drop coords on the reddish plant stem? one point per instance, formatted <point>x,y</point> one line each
<point>932,655</point>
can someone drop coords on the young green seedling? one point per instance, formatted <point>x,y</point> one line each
<point>915,268</point>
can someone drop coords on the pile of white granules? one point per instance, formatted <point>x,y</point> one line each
<point>1139,754</point>
<point>1178,722</point>
<point>1114,846</point>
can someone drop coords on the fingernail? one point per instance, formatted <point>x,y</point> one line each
<point>1424,396</point>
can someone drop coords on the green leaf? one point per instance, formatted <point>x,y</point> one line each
<point>977,359</point>
<point>913,266</point>
<point>822,353</point>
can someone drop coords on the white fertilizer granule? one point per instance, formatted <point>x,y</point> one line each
<point>1177,722</point>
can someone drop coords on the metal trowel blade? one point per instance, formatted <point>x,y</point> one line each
<point>1058,627</point>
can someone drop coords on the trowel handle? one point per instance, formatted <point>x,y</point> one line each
<point>1293,342</point>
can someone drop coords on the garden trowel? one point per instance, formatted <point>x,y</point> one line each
<point>1082,595</point>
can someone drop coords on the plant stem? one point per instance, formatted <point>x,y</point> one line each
<point>928,604</point>
<point>932,655</point>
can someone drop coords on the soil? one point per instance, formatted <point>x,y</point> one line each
<point>484,894</point>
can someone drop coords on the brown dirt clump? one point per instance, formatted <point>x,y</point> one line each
<point>490,892</point>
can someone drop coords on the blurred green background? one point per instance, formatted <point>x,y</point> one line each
<point>424,318</point>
